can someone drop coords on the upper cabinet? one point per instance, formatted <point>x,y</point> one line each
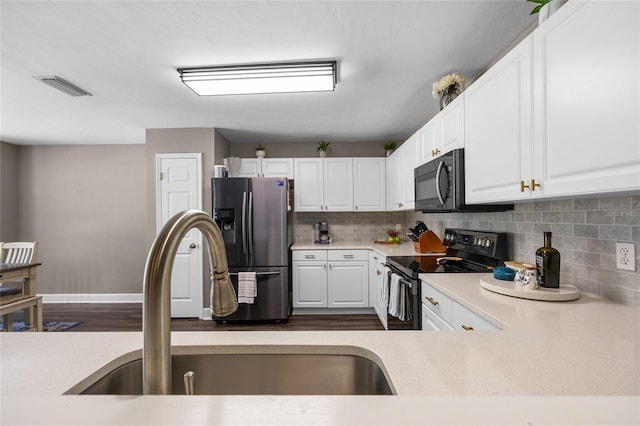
<point>369,180</point>
<point>400,181</point>
<point>444,132</point>
<point>498,139</point>
<point>558,115</point>
<point>587,99</point>
<point>266,167</point>
<point>323,184</point>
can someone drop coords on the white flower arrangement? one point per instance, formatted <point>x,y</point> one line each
<point>448,84</point>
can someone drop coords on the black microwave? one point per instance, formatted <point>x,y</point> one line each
<point>439,187</point>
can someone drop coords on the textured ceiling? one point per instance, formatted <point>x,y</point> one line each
<point>126,55</point>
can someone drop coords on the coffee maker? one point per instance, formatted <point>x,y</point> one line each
<point>321,233</point>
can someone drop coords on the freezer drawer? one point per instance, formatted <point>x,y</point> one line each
<point>273,300</point>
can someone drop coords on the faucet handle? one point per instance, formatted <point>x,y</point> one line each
<point>189,385</point>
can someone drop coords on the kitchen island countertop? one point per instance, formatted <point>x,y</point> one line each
<point>553,363</point>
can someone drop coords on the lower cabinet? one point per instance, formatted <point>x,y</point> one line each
<point>376,271</point>
<point>330,278</point>
<point>440,312</point>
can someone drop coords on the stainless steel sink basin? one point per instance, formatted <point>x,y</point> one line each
<point>291,373</point>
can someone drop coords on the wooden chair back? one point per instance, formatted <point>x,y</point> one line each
<point>18,252</point>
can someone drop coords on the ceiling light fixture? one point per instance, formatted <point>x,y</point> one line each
<point>261,78</point>
<point>63,85</point>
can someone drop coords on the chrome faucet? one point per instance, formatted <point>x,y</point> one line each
<point>156,309</point>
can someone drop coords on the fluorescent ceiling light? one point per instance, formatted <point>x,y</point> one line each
<point>63,85</point>
<point>261,78</point>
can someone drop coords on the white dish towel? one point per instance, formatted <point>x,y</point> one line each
<point>394,295</point>
<point>247,287</point>
<point>384,291</point>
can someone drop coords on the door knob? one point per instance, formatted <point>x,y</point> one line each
<point>193,245</point>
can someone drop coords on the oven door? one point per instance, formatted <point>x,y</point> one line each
<point>434,183</point>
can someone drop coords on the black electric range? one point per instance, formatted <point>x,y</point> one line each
<point>467,251</point>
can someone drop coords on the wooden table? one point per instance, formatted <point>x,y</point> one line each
<point>28,300</point>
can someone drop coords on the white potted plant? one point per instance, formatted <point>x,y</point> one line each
<point>546,8</point>
<point>261,151</point>
<point>323,147</point>
<point>389,146</point>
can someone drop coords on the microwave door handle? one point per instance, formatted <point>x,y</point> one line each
<point>438,172</point>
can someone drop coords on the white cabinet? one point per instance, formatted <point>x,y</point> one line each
<point>348,280</point>
<point>376,270</point>
<point>587,99</point>
<point>266,167</point>
<point>444,132</point>
<point>309,278</point>
<point>369,184</point>
<point>440,312</point>
<point>498,138</point>
<point>323,184</point>
<point>330,278</point>
<point>400,178</point>
<point>548,120</point>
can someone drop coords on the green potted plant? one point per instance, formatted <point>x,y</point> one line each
<point>260,151</point>
<point>389,146</point>
<point>323,147</point>
<point>545,8</point>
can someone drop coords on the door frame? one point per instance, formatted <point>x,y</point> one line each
<point>157,179</point>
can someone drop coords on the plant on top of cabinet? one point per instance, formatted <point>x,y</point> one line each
<point>389,146</point>
<point>322,148</point>
<point>448,88</point>
<point>260,151</point>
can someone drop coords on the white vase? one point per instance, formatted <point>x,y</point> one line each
<point>389,152</point>
<point>260,153</point>
<point>322,153</point>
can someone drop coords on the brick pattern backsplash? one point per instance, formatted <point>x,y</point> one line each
<point>584,231</point>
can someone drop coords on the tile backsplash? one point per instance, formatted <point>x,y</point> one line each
<point>584,231</point>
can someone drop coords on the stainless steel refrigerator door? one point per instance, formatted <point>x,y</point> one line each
<point>268,239</point>
<point>231,212</point>
<point>273,301</point>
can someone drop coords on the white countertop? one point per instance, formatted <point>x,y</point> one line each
<point>403,249</point>
<point>554,363</point>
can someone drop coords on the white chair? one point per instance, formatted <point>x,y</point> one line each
<point>12,296</point>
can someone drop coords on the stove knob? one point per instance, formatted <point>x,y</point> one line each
<point>487,243</point>
<point>479,241</point>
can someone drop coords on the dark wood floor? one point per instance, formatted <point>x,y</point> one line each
<point>128,317</point>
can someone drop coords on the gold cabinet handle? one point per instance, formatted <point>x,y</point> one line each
<point>432,301</point>
<point>534,185</point>
<point>467,328</point>
<point>523,186</point>
<point>400,205</point>
<point>378,272</point>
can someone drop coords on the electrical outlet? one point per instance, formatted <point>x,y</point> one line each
<point>626,256</point>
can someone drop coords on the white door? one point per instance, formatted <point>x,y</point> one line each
<point>309,186</point>
<point>348,285</point>
<point>310,284</point>
<point>179,188</point>
<point>338,184</point>
<point>369,184</point>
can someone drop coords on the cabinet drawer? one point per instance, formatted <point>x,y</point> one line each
<point>437,302</point>
<point>309,255</point>
<point>464,319</point>
<point>335,255</point>
<point>432,322</point>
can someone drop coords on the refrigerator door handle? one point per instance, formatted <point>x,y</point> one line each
<point>250,225</point>
<point>244,222</point>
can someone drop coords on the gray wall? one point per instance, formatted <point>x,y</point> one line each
<point>584,231</point>
<point>309,149</point>
<point>86,205</point>
<point>9,189</point>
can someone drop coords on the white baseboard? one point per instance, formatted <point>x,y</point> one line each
<point>92,298</point>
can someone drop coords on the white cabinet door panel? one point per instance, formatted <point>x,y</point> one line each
<point>309,184</point>
<point>348,285</point>
<point>309,284</point>
<point>338,184</point>
<point>369,182</point>
<point>277,167</point>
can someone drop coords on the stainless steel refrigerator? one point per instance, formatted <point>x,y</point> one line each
<point>254,216</point>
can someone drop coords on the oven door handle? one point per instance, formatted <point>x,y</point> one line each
<point>438,172</point>
<point>405,281</point>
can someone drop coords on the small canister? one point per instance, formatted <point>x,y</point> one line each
<point>525,278</point>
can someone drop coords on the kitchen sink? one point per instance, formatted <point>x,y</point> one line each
<point>266,370</point>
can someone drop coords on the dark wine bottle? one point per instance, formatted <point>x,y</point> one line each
<point>548,264</point>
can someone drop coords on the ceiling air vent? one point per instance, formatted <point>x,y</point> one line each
<point>63,85</point>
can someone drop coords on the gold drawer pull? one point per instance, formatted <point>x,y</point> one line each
<point>467,328</point>
<point>309,256</point>
<point>433,302</point>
